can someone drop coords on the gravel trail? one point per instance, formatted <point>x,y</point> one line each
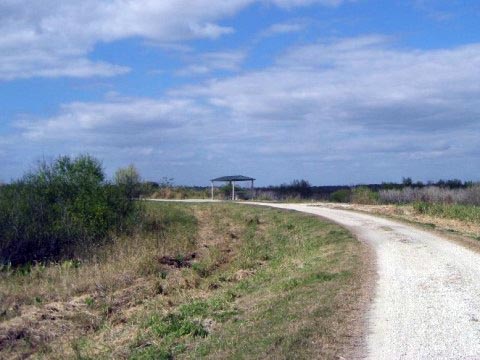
<point>427,296</point>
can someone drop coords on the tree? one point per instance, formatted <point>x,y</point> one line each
<point>302,188</point>
<point>407,182</point>
<point>129,180</point>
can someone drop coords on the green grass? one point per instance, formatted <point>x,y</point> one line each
<point>467,213</point>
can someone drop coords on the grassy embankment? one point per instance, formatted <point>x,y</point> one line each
<point>214,281</point>
<point>468,213</point>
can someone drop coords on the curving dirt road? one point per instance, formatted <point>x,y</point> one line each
<point>427,296</point>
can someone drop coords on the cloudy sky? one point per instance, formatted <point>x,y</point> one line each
<point>332,91</point>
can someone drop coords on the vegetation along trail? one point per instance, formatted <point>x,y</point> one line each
<point>427,300</point>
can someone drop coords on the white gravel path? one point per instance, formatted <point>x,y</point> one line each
<point>427,300</point>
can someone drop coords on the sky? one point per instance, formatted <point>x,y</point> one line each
<point>331,91</point>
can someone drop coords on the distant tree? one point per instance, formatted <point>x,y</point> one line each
<point>441,183</point>
<point>129,180</point>
<point>419,184</point>
<point>469,184</point>
<point>147,188</point>
<point>166,182</point>
<point>407,181</point>
<point>302,187</point>
<point>454,184</point>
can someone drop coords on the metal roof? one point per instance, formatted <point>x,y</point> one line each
<point>233,178</point>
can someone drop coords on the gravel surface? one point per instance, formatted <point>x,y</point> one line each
<point>427,296</point>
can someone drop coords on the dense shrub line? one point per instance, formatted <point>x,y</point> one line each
<point>356,195</point>
<point>432,195</point>
<point>178,193</point>
<point>59,210</point>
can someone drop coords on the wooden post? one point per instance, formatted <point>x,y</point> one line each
<point>233,190</point>
<point>251,190</point>
<point>212,189</point>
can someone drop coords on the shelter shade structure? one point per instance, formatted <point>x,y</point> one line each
<point>231,180</point>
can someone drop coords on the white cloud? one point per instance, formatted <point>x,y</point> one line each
<point>283,28</point>
<point>336,102</point>
<point>443,11</point>
<point>336,80</point>
<point>51,38</point>
<point>128,116</point>
<point>208,62</point>
<point>293,3</point>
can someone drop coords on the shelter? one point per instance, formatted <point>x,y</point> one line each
<point>232,180</point>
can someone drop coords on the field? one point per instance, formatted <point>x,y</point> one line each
<point>202,281</point>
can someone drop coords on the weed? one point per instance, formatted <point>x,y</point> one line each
<point>196,308</point>
<point>79,346</point>
<point>201,269</point>
<point>152,353</point>
<point>89,301</point>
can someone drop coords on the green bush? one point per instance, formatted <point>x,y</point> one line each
<point>341,196</point>
<point>58,209</point>
<point>129,180</point>
<point>363,195</point>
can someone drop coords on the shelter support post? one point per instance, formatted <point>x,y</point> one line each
<point>233,190</point>
<point>212,189</point>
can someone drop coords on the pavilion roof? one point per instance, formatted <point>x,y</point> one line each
<point>233,178</point>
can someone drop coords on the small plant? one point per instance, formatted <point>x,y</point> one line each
<point>201,269</point>
<point>25,269</point>
<point>176,325</point>
<point>196,308</point>
<point>79,346</point>
<point>70,264</point>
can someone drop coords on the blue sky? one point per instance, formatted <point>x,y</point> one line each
<point>333,91</point>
